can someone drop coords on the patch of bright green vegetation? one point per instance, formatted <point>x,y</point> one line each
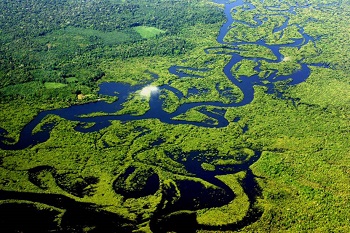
<point>50,85</point>
<point>71,79</point>
<point>108,38</point>
<point>195,116</point>
<point>148,32</point>
<point>208,167</point>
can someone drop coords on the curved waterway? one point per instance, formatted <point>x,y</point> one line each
<point>244,83</point>
<point>122,91</point>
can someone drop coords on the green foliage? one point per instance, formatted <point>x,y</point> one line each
<point>325,88</point>
<point>244,68</point>
<point>53,51</point>
<point>230,213</point>
<point>75,38</point>
<point>148,32</point>
<point>256,51</point>
<point>195,116</point>
<point>50,85</point>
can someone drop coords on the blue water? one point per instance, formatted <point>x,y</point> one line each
<point>217,115</point>
<point>122,91</point>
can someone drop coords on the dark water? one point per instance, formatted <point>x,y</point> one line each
<point>245,84</point>
<point>74,216</point>
<point>188,189</point>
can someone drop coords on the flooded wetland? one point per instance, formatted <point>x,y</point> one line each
<point>191,116</point>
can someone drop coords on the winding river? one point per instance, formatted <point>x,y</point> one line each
<point>245,84</point>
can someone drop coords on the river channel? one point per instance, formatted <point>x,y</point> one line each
<point>245,84</point>
<point>122,90</point>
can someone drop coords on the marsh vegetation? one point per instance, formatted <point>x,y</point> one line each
<point>158,116</point>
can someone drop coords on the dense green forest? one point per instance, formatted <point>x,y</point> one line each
<point>278,163</point>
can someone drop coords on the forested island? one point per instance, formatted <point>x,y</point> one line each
<point>174,116</point>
